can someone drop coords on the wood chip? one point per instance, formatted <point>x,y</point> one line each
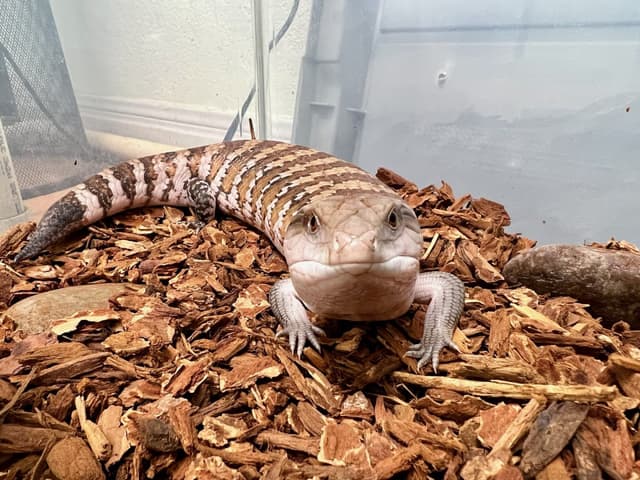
<point>71,459</point>
<point>247,369</point>
<point>551,432</point>
<point>606,434</point>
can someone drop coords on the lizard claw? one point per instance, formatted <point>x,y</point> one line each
<point>423,353</point>
<point>449,343</point>
<point>299,335</point>
<point>426,351</point>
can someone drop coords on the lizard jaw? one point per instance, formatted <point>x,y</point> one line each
<point>318,271</point>
<point>357,291</point>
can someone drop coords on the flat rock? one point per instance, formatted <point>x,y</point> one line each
<point>34,314</point>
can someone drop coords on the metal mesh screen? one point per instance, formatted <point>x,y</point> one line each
<point>37,105</point>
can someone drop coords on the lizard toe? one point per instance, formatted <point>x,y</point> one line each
<point>453,346</point>
<point>301,340</point>
<point>298,338</point>
<point>426,353</point>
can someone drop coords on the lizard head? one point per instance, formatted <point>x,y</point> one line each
<point>348,253</point>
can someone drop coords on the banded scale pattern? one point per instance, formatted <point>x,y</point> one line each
<point>263,183</point>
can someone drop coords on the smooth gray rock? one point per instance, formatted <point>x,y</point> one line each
<point>608,280</point>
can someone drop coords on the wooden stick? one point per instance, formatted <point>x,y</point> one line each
<point>518,428</point>
<point>524,391</point>
<point>432,244</point>
<point>23,386</point>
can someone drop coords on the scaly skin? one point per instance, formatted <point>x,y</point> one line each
<point>351,243</point>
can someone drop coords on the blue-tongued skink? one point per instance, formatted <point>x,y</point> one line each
<point>351,243</point>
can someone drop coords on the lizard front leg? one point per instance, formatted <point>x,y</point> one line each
<point>445,294</point>
<point>292,315</point>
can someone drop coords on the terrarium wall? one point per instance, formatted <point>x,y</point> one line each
<point>176,72</point>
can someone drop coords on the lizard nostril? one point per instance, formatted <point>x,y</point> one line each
<point>370,240</point>
<point>341,240</point>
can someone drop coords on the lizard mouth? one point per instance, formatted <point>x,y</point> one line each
<point>318,271</point>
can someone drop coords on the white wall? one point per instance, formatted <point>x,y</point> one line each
<point>186,62</point>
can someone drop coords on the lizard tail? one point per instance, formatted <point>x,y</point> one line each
<point>62,218</point>
<point>153,180</point>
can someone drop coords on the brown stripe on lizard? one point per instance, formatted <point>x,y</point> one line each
<point>250,181</point>
<point>194,155</point>
<point>124,173</point>
<point>99,186</point>
<point>279,180</point>
<point>150,173</point>
<point>275,151</point>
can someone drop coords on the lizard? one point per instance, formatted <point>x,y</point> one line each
<point>352,245</point>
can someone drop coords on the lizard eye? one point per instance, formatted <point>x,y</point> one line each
<point>393,219</point>
<point>311,223</point>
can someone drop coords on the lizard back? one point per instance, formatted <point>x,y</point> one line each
<point>263,183</point>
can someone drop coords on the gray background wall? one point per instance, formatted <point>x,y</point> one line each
<point>540,108</point>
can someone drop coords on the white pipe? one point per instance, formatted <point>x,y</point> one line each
<point>261,49</point>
